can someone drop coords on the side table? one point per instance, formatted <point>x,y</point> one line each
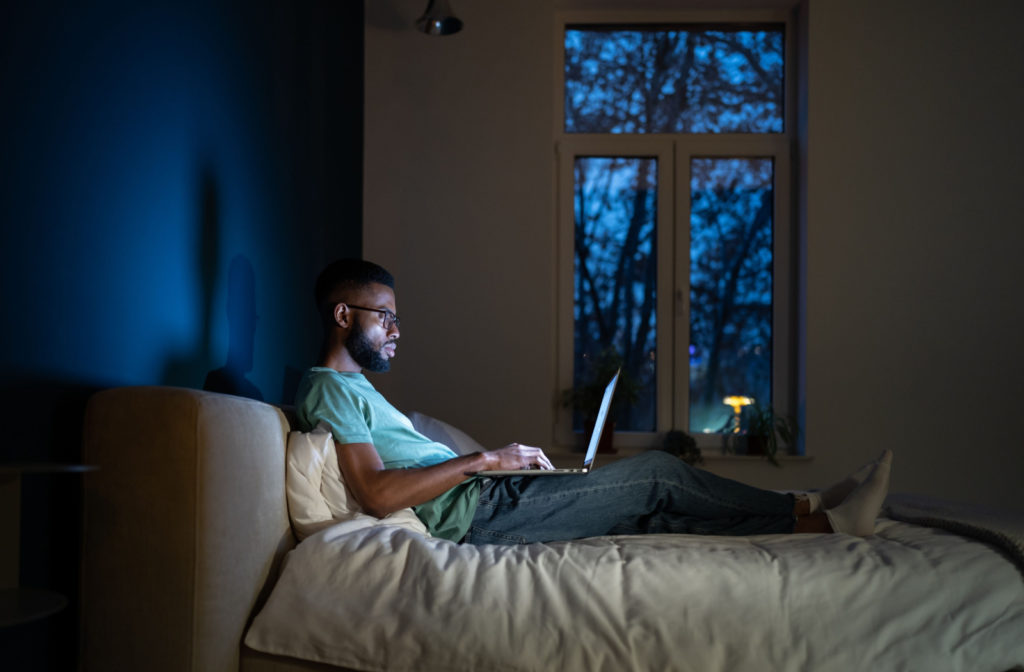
<point>18,604</point>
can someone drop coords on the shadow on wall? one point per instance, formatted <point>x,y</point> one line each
<point>186,370</point>
<point>241,307</point>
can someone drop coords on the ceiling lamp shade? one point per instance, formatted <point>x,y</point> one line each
<point>439,19</point>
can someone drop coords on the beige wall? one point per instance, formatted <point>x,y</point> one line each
<point>915,226</point>
<point>913,221</point>
<point>460,202</point>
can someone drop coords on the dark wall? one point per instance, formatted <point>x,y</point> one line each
<point>174,174</point>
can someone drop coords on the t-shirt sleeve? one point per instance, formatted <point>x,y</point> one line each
<point>344,410</point>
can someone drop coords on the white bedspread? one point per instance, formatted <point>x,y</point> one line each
<point>385,598</point>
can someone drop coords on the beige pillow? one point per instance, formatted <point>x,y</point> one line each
<point>316,491</point>
<point>442,432</point>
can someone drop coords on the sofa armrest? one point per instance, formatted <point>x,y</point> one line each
<point>185,523</point>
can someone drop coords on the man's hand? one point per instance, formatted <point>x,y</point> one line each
<point>517,456</point>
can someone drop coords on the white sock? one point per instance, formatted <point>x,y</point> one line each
<point>834,495</point>
<point>813,500</point>
<point>856,515</point>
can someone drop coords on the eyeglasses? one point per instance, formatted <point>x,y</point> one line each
<point>389,317</point>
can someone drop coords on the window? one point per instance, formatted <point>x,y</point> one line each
<point>673,79</point>
<point>674,220</point>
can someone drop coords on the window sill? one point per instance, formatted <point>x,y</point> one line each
<point>719,457</point>
<point>565,456</point>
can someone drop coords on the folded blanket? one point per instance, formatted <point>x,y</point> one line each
<point>1001,529</point>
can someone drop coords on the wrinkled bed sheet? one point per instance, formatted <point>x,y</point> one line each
<point>386,598</point>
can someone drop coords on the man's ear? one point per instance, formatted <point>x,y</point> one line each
<point>342,316</point>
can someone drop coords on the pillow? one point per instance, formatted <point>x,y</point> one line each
<point>307,508</point>
<point>442,432</point>
<point>316,491</point>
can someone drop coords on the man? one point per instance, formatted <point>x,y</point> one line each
<point>388,466</point>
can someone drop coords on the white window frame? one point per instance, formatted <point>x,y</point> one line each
<point>674,152</point>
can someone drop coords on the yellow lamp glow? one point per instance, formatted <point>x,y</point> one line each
<point>737,403</point>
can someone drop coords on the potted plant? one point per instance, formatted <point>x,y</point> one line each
<point>683,446</point>
<point>585,397</point>
<point>765,428</point>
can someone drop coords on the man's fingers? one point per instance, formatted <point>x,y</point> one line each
<point>531,455</point>
<point>540,459</point>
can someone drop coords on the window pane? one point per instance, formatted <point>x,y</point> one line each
<point>615,273</point>
<point>731,204</point>
<point>672,80</point>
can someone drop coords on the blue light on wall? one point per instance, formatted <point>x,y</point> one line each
<point>143,151</point>
<point>144,148</point>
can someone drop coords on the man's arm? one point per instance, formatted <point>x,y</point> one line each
<point>382,491</point>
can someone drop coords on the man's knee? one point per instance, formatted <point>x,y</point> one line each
<point>652,465</point>
<point>661,462</point>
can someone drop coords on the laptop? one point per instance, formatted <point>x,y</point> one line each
<point>588,459</point>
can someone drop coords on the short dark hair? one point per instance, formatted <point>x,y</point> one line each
<point>345,274</point>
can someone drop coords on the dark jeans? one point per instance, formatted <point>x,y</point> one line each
<point>647,494</point>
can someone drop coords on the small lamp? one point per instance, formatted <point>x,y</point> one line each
<point>737,403</point>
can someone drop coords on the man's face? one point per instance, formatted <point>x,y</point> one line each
<point>369,343</point>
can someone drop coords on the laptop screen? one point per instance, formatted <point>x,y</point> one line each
<point>602,416</point>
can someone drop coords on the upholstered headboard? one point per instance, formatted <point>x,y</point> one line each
<point>185,522</point>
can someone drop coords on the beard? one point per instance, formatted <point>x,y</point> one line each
<point>364,352</point>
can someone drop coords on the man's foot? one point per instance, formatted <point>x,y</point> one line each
<point>833,496</point>
<point>856,514</point>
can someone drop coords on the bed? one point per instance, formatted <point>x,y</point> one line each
<point>190,562</point>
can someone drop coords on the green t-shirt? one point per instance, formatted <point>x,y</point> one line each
<point>358,413</point>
